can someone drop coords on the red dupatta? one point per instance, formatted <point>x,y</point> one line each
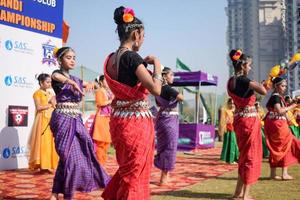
<point>279,136</point>
<point>122,91</point>
<point>249,138</point>
<point>133,139</point>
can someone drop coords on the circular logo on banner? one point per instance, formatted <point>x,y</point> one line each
<point>18,118</point>
<point>8,80</point>
<point>6,153</point>
<point>8,45</point>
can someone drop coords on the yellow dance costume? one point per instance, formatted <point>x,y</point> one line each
<point>41,142</point>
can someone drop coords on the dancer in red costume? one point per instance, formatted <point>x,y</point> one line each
<point>246,123</point>
<point>283,145</point>
<point>131,123</point>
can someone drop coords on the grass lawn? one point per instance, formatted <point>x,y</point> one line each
<point>223,187</point>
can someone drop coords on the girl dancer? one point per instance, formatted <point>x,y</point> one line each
<point>131,123</point>
<point>246,123</point>
<point>41,143</point>
<point>167,126</point>
<point>78,168</point>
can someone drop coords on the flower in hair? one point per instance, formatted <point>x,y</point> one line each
<point>128,15</point>
<point>237,55</point>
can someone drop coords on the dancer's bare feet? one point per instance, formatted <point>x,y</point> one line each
<point>164,179</point>
<point>287,177</point>
<point>275,178</point>
<point>54,196</point>
<point>236,197</point>
<point>248,198</point>
<point>164,182</point>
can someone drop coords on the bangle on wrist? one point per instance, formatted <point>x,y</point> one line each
<point>158,77</point>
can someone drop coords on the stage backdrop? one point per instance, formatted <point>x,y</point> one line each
<point>29,30</point>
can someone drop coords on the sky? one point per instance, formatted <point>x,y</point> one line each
<point>192,30</point>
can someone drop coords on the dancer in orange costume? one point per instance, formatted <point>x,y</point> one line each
<point>101,135</point>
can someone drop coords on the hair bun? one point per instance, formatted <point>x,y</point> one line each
<point>276,80</point>
<point>235,54</point>
<point>118,15</point>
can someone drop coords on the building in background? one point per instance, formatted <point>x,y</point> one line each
<point>271,36</point>
<point>257,27</point>
<point>292,21</point>
<point>242,28</point>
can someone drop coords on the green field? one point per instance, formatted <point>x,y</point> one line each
<point>223,187</point>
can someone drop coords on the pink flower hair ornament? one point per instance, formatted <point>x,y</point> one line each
<point>128,15</point>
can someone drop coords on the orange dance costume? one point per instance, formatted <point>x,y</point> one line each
<point>101,134</point>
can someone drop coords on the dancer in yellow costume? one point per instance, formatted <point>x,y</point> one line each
<point>262,114</point>
<point>291,117</point>
<point>230,150</point>
<point>41,143</point>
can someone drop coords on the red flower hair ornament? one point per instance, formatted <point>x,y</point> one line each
<point>237,55</point>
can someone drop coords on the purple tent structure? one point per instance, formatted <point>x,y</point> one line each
<point>195,135</point>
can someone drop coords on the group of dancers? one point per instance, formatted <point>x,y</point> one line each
<point>59,141</point>
<point>250,135</point>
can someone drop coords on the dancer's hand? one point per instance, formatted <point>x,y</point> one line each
<point>151,59</point>
<point>89,87</point>
<point>76,87</point>
<point>52,101</point>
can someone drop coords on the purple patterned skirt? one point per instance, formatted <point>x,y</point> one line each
<point>78,169</point>
<point>167,130</point>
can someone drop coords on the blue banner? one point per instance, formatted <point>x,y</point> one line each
<point>40,16</point>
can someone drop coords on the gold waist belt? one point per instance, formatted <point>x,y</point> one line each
<point>131,108</point>
<point>249,111</point>
<point>68,108</point>
<point>276,116</point>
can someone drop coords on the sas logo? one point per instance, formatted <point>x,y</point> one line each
<point>8,80</point>
<point>18,46</point>
<point>6,153</point>
<point>17,81</point>
<point>48,57</point>
<point>8,45</point>
<point>13,152</point>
